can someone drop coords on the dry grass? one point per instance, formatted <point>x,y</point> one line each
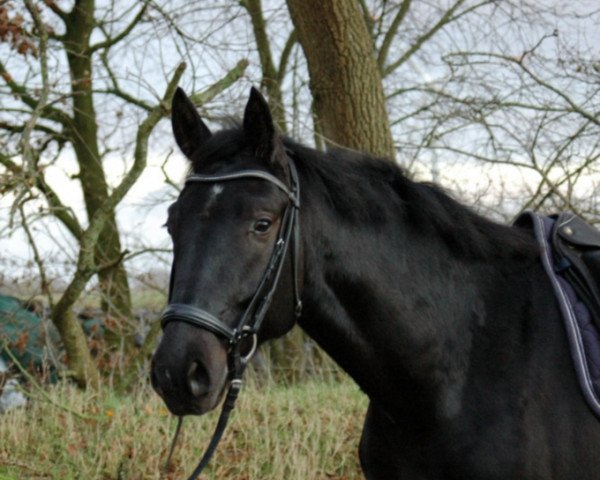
<point>305,431</point>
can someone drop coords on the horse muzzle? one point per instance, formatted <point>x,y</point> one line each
<point>189,369</point>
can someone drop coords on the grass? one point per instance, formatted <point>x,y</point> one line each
<point>304,431</point>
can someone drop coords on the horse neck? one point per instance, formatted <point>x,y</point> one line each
<point>393,306</point>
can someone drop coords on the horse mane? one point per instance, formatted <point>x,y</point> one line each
<point>367,190</point>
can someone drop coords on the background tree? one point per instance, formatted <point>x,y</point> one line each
<point>49,117</point>
<point>469,85</point>
<point>345,80</point>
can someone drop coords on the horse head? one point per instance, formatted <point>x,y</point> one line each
<point>230,228</point>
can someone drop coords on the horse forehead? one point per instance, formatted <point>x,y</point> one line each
<point>217,198</point>
<point>215,191</point>
<point>209,200</point>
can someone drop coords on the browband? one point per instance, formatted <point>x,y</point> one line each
<point>259,174</point>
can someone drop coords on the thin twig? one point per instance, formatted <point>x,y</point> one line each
<point>44,283</point>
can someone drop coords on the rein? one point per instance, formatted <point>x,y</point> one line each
<point>252,318</point>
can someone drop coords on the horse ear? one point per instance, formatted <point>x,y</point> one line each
<point>258,126</point>
<point>189,129</point>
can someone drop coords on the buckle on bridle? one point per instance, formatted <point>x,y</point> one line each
<point>247,331</point>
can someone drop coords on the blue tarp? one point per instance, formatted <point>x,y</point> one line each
<point>28,337</point>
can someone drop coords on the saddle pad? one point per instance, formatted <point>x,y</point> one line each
<point>584,337</point>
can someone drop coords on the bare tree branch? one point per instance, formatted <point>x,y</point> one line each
<point>391,33</point>
<point>110,42</point>
<point>422,39</point>
<point>200,98</point>
<point>21,92</point>
<point>43,97</point>
<point>270,80</point>
<point>574,106</point>
<point>285,55</point>
<point>37,257</point>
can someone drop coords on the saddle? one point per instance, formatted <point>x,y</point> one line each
<point>576,247</point>
<point>570,255</point>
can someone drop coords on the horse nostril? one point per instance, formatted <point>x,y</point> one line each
<point>195,388</point>
<point>197,380</point>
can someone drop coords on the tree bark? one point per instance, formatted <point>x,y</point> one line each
<point>114,286</point>
<point>345,78</point>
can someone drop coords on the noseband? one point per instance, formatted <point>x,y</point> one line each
<point>252,318</point>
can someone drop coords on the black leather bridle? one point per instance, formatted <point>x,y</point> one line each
<point>252,318</point>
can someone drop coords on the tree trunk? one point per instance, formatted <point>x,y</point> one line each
<point>345,79</point>
<point>81,364</point>
<point>114,286</point>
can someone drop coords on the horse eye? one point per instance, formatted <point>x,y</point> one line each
<point>262,226</point>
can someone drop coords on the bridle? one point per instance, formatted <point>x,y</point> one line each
<point>252,318</point>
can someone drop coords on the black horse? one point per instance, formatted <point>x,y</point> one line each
<point>446,320</point>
